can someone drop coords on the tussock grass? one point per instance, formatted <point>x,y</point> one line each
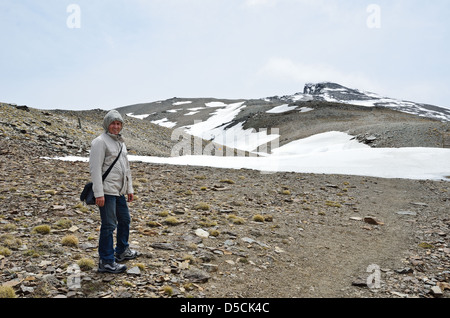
<point>202,206</point>
<point>10,241</point>
<point>167,290</point>
<point>153,224</point>
<point>42,229</point>
<point>86,264</point>
<point>171,220</point>
<point>141,266</point>
<point>163,213</point>
<point>262,218</point>
<point>333,204</point>
<point>70,240</point>
<point>227,181</point>
<point>205,222</point>
<point>258,218</point>
<point>63,223</point>
<point>5,251</point>
<point>7,292</point>
<point>236,219</point>
<point>214,233</point>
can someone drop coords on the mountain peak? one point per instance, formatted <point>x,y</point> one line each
<point>333,92</point>
<point>317,88</point>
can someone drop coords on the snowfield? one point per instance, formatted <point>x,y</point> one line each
<point>328,153</point>
<point>332,153</point>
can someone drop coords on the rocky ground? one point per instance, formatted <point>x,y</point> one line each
<point>213,233</point>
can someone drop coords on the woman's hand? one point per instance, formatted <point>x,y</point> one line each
<point>130,197</point>
<point>100,201</point>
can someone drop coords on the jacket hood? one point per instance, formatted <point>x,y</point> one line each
<point>111,116</point>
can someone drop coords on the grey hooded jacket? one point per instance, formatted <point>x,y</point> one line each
<point>104,150</point>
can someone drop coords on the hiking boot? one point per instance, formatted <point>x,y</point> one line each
<point>126,255</point>
<point>104,267</point>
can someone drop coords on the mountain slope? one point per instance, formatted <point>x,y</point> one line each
<point>249,124</point>
<point>62,133</point>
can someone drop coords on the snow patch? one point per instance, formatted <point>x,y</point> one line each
<point>281,109</point>
<point>306,109</point>
<point>164,122</point>
<point>215,104</point>
<point>182,103</point>
<point>138,116</point>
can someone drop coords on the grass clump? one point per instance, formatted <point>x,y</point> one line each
<point>236,219</point>
<point>167,290</point>
<point>86,264</point>
<point>189,258</point>
<point>258,218</point>
<point>203,206</point>
<point>7,292</point>
<point>64,224</point>
<point>227,181</point>
<point>426,245</point>
<point>171,220</point>
<point>10,241</point>
<point>214,233</point>
<point>32,253</point>
<point>153,224</point>
<point>262,218</point>
<point>42,229</point>
<point>333,204</point>
<point>163,213</point>
<point>70,240</point>
<point>9,227</point>
<point>141,266</point>
<point>205,222</point>
<point>5,251</point>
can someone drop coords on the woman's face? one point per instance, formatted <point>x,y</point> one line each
<point>115,127</point>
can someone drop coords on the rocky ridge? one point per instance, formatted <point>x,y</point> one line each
<point>207,232</point>
<point>327,91</point>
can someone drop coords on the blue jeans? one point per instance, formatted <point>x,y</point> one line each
<point>114,215</point>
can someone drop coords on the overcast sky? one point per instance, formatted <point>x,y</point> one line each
<point>84,54</point>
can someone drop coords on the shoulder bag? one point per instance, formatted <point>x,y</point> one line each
<point>87,195</point>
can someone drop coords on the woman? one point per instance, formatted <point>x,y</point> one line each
<point>110,194</point>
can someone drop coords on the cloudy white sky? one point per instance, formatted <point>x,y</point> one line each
<point>112,53</point>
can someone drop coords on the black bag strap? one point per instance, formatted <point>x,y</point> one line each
<point>112,165</point>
